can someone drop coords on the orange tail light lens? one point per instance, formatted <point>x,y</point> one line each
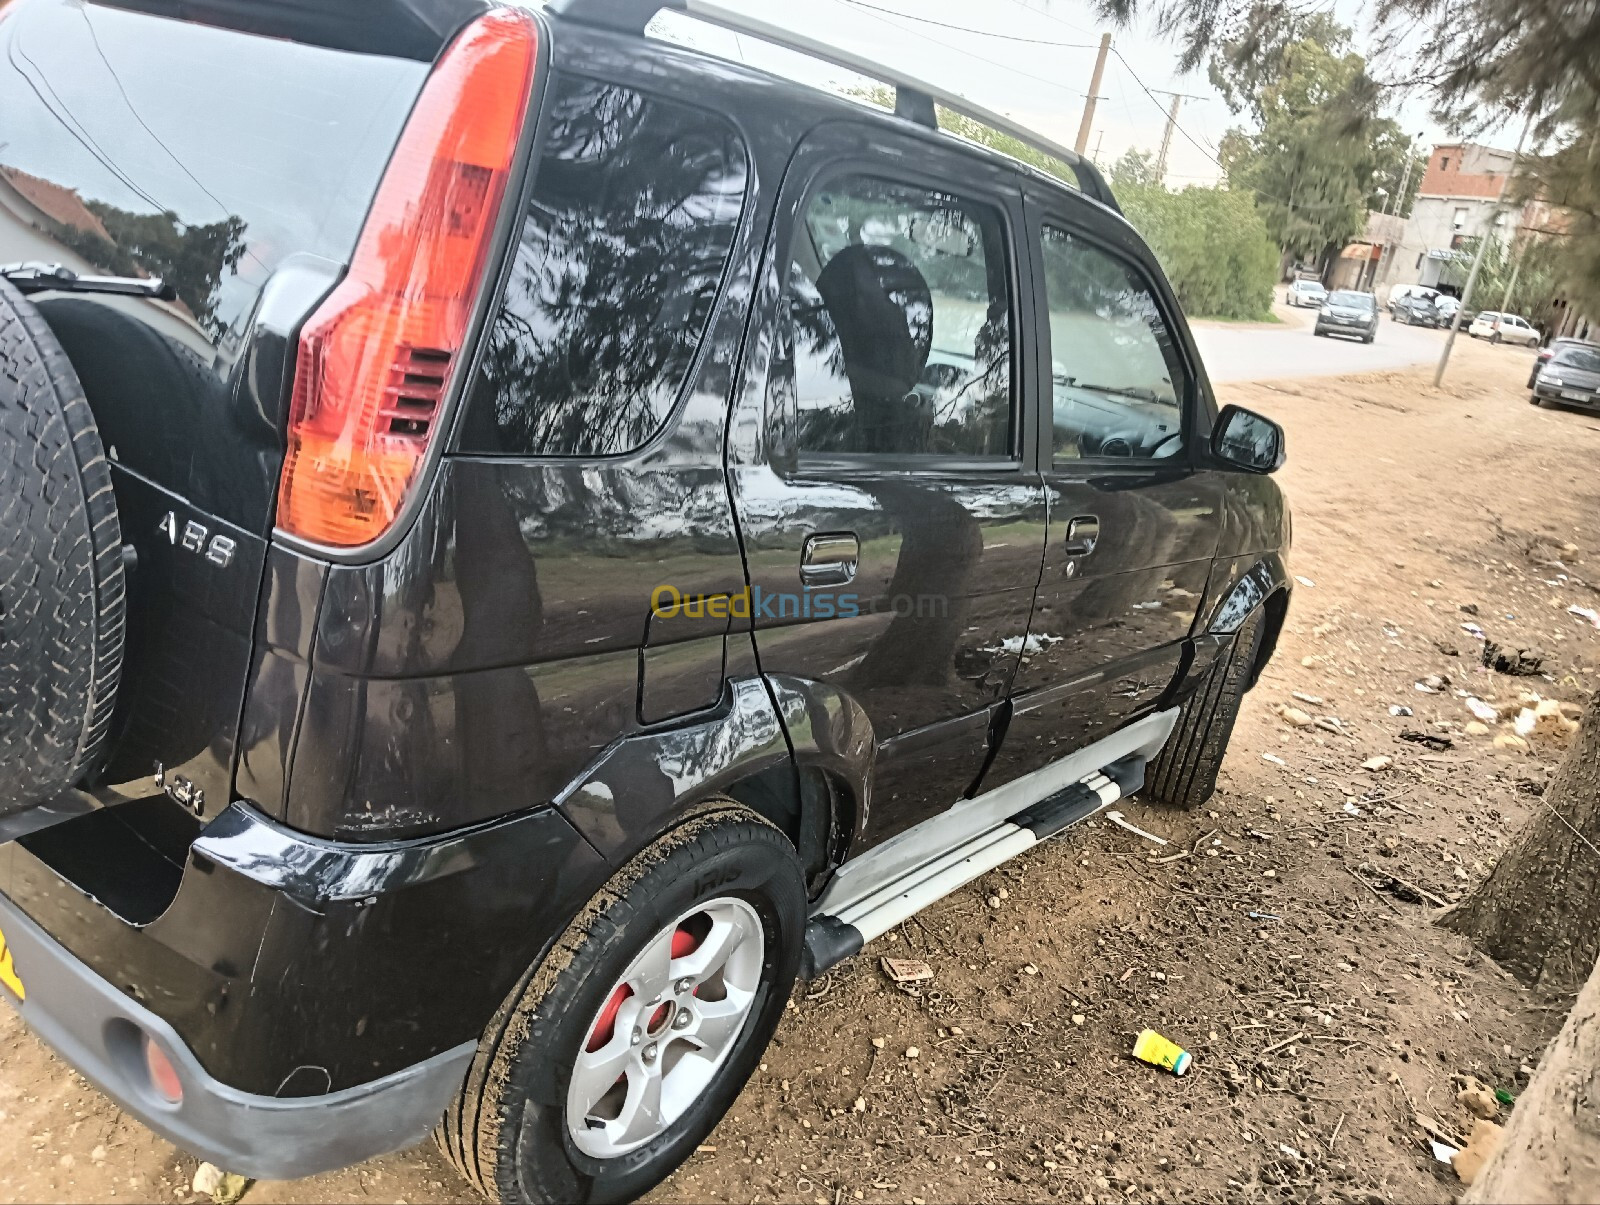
<point>376,358</point>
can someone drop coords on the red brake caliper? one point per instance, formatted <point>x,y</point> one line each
<point>605,1028</point>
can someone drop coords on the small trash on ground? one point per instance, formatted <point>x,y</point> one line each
<point>1263,916</point>
<point>1150,1047</point>
<point>1293,716</point>
<point>1351,809</point>
<point>906,970</point>
<point>1477,1098</point>
<point>222,1187</point>
<point>1310,700</point>
<point>1472,629</point>
<point>1396,709</point>
<point>1522,663</point>
<point>1376,765</point>
<point>1588,613</point>
<point>1434,684</point>
<point>1428,739</point>
<point>1469,1161</point>
<point>1117,819</point>
<point>1545,719</point>
<point>1274,759</point>
<point>1306,582</point>
<point>1483,711</point>
<point>1504,1097</point>
<point>1442,1151</point>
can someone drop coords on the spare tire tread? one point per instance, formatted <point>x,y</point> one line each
<point>62,602</point>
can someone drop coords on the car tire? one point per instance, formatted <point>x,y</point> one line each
<point>508,1130</point>
<point>1535,400</point>
<point>1184,773</point>
<point>61,582</point>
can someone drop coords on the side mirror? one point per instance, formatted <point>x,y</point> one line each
<point>1247,440</point>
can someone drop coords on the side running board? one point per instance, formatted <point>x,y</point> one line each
<point>832,936</point>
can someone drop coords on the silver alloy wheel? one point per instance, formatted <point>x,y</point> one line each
<point>666,1027</point>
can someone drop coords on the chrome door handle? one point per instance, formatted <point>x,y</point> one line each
<point>830,560</point>
<point>1083,533</point>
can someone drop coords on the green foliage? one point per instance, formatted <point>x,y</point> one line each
<point>1212,242</point>
<point>1570,179</point>
<point>1535,268</point>
<point>1321,149</point>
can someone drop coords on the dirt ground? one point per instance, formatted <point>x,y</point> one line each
<point>1272,937</point>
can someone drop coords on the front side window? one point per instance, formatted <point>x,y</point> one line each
<point>899,324</point>
<point>635,206</point>
<point>1117,381</point>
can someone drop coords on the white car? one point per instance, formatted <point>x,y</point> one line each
<point>1503,328</point>
<point>1305,292</point>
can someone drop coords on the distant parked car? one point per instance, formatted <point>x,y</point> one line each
<point>1401,293</point>
<point>1305,292</point>
<point>1444,308</point>
<point>1347,312</point>
<point>1503,328</point>
<point>1415,309</point>
<point>1548,353</point>
<point>1571,376</point>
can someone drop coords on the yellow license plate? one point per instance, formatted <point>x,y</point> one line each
<point>8,971</point>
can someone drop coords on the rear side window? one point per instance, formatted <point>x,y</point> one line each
<point>899,324</point>
<point>635,205</point>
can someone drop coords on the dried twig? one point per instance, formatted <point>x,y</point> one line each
<point>1280,1045</point>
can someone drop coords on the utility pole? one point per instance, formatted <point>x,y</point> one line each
<point>1166,135</point>
<point>1483,246</point>
<point>1516,270</point>
<point>1094,94</point>
<point>1166,139</point>
<point>1097,142</point>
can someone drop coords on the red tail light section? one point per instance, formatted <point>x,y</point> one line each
<point>376,357</point>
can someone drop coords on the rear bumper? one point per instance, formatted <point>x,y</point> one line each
<point>319,1001</point>
<point>97,1029</point>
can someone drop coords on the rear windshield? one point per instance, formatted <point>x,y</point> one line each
<point>136,145</point>
<point>1356,301</point>
<point>1584,358</point>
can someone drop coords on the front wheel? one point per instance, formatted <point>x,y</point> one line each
<point>627,1044</point>
<point>1184,773</point>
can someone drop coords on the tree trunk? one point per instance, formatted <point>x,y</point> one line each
<point>1550,1152</point>
<point>1538,912</point>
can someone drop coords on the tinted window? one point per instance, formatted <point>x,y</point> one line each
<point>900,323</point>
<point>1356,301</point>
<point>1117,381</point>
<point>635,207</point>
<point>1582,358</point>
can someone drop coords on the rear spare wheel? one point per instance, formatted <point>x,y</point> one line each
<point>61,588</point>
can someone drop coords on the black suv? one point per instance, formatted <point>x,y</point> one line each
<point>522,538</point>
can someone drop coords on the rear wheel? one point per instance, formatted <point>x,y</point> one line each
<point>1184,773</point>
<point>626,1045</point>
<point>61,583</point>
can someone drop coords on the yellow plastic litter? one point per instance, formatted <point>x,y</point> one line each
<point>1152,1048</point>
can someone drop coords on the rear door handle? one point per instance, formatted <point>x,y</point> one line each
<point>830,560</point>
<point>1083,533</point>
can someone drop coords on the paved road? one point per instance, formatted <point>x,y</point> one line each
<point>1264,353</point>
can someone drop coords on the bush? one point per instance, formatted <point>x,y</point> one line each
<point>1212,244</point>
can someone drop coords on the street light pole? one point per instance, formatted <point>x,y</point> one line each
<point>1477,262</point>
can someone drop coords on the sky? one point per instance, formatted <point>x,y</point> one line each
<point>1032,60</point>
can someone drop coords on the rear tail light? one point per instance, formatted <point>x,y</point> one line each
<point>376,358</point>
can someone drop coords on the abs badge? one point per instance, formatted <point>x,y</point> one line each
<point>218,550</point>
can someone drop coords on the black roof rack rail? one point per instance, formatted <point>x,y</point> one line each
<point>915,99</point>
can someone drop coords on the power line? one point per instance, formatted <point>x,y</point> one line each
<point>1011,67</point>
<point>987,33</point>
